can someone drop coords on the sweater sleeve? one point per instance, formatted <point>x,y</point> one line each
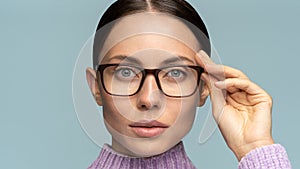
<point>267,157</point>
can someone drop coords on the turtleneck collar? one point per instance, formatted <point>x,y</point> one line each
<point>175,158</point>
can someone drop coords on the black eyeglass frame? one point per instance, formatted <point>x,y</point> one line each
<point>145,72</point>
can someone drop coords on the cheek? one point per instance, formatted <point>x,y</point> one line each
<point>190,104</point>
<point>112,115</point>
<point>110,112</point>
<point>188,111</point>
<point>173,109</point>
<point>185,118</point>
<point>182,110</point>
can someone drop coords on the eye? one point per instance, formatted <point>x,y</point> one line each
<point>126,73</point>
<point>175,73</point>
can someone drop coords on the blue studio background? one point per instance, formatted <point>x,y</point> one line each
<point>41,39</point>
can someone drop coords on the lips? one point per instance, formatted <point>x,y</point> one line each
<point>148,129</point>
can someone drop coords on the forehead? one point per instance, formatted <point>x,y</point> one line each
<point>151,49</point>
<point>142,31</point>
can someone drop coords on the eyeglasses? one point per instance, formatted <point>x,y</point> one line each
<point>127,80</point>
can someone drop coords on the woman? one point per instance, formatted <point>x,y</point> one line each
<point>151,72</point>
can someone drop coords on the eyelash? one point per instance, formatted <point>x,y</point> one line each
<point>119,71</point>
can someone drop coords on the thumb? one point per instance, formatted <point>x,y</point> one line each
<point>217,96</point>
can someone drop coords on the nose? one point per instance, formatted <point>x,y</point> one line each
<point>149,97</point>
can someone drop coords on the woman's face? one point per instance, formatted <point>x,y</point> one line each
<point>148,122</point>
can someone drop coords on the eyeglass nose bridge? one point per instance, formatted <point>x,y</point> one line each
<point>153,72</point>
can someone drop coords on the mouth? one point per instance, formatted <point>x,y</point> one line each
<point>148,129</point>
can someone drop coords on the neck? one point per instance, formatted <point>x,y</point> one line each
<point>117,147</point>
<point>175,158</point>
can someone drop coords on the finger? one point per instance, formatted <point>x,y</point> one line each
<point>213,90</point>
<point>209,66</point>
<point>233,90</point>
<point>225,71</point>
<point>220,72</point>
<point>239,84</point>
<point>217,96</point>
<point>203,59</point>
<point>205,77</point>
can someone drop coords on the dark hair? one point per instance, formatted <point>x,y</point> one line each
<point>121,8</point>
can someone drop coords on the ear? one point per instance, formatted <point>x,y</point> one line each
<point>91,78</point>
<point>204,93</point>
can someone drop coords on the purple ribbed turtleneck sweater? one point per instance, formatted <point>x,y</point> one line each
<point>268,157</point>
<point>175,158</point>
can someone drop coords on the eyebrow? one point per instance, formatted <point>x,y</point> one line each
<point>177,59</point>
<point>126,58</point>
<point>136,61</point>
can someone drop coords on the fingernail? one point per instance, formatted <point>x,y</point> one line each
<point>203,76</point>
<point>208,65</point>
<point>220,84</point>
<point>203,53</point>
<point>199,53</point>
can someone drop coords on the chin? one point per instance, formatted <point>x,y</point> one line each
<point>140,147</point>
<point>147,147</point>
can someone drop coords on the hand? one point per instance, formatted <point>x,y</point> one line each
<point>241,108</point>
